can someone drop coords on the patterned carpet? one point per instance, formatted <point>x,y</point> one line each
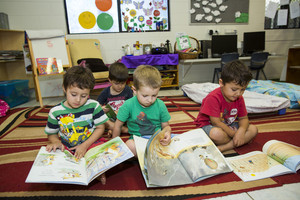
<point>22,135</point>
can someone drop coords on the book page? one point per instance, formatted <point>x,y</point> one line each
<point>162,166</point>
<point>199,156</point>
<point>190,157</point>
<point>284,153</point>
<point>105,156</point>
<point>256,165</point>
<point>57,167</point>
<point>140,146</point>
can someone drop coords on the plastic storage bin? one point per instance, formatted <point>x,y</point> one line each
<point>14,92</point>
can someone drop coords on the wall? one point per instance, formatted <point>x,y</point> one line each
<point>49,14</point>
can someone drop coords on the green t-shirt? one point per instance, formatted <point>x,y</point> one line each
<point>143,121</point>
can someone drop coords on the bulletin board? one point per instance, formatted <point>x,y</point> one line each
<point>219,11</point>
<point>282,14</point>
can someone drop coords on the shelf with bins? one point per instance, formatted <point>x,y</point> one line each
<point>167,64</point>
<point>169,75</point>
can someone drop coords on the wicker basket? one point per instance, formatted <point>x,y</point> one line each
<point>188,55</point>
<point>167,81</point>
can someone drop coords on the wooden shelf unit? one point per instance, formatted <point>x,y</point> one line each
<point>293,66</point>
<point>171,68</point>
<point>15,68</point>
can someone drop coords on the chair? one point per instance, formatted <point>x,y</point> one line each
<point>257,62</point>
<point>225,58</point>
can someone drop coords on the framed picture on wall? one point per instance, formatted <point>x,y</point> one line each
<point>107,16</point>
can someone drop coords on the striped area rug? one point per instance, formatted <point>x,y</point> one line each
<point>22,135</point>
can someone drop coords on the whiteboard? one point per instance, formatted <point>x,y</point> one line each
<point>51,47</point>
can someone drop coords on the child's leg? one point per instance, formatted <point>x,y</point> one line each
<point>249,135</point>
<point>110,126</point>
<point>131,145</point>
<point>218,136</point>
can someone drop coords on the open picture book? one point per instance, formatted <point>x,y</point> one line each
<point>277,158</point>
<point>190,157</point>
<point>63,167</point>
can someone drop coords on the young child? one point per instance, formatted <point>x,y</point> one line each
<point>221,107</point>
<point>116,94</point>
<point>77,122</point>
<point>144,113</point>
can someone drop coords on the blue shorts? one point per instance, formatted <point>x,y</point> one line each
<point>207,128</point>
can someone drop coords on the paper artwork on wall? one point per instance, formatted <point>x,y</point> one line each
<point>146,15</point>
<point>219,11</point>
<point>92,16</point>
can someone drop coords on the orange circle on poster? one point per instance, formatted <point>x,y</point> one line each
<point>103,5</point>
<point>87,20</point>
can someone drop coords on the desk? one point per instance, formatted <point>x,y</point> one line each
<point>209,65</point>
<point>203,61</point>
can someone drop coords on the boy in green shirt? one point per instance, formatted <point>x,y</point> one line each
<point>144,113</point>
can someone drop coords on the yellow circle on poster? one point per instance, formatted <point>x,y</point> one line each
<point>87,20</point>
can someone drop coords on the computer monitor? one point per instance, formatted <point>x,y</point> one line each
<point>223,44</point>
<point>253,41</point>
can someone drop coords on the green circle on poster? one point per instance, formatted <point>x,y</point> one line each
<point>105,21</point>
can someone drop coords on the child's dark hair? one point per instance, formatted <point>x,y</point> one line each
<point>118,72</point>
<point>78,76</point>
<point>236,71</point>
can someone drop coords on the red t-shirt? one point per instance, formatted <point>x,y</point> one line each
<point>215,105</point>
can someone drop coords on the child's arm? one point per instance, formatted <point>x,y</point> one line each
<point>117,128</point>
<point>216,121</point>
<point>81,149</point>
<point>55,143</point>
<point>239,137</point>
<point>167,139</point>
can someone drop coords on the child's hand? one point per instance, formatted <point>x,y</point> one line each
<point>105,109</point>
<point>55,145</point>
<point>167,139</point>
<point>239,138</point>
<point>80,151</point>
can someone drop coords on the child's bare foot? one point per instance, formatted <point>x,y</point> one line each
<point>109,133</point>
<point>102,179</point>
<point>124,129</point>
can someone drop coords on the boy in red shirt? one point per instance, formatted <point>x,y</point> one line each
<point>221,108</point>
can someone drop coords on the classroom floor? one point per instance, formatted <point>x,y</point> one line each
<point>288,191</point>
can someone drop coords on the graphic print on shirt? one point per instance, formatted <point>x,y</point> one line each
<point>228,117</point>
<point>70,133</point>
<point>115,105</point>
<point>146,126</point>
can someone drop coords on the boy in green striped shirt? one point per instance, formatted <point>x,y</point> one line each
<point>77,122</point>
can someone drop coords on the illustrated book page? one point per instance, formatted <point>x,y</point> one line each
<point>111,113</point>
<point>269,163</point>
<point>190,157</point>
<point>63,167</point>
<point>286,154</point>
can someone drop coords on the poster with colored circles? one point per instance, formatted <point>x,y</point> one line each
<point>92,16</point>
<point>100,16</point>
